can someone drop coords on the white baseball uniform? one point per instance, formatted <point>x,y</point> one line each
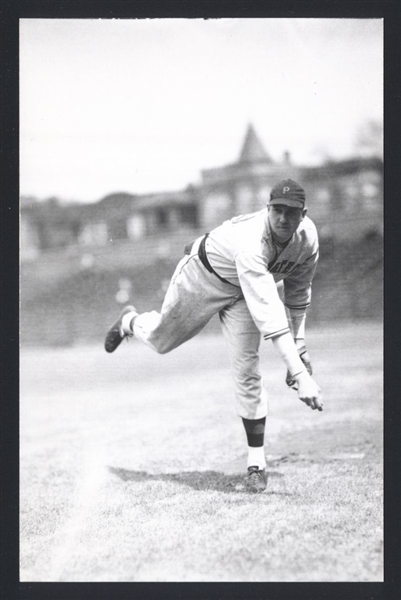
<point>234,272</point>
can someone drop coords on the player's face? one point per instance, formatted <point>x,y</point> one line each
<point>284,220</point>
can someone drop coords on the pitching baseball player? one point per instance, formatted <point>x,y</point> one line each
<point>235,271</point>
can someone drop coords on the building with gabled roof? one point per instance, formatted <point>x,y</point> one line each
<point>243,186</point>
<point>344,198</point>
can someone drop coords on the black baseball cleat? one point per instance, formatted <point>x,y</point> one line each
<point>115,334</point>
<point>256,479</point>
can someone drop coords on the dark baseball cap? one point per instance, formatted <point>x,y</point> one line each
<point>288,192</point>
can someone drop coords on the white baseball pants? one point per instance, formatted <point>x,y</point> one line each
<point>193,297</point>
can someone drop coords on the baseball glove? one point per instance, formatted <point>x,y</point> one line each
<point>304,356</point>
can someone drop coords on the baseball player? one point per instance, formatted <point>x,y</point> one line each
<point>235,271</point>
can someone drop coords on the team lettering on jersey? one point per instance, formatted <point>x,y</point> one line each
<point>285,267</point>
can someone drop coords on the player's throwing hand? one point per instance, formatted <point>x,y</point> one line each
<point>309,391</point>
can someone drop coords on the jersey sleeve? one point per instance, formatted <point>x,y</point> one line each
<point>261,296</point>
<point>298,285</point>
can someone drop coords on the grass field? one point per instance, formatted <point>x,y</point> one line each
<point>132,466</point>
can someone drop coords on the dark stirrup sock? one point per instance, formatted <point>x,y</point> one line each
<point>255,431</point>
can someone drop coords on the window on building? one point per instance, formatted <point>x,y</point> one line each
<point>352,191</point>
<point>263,195</point>
<point>322,194</point>
<point>245,199</point>
<point>136,227</point>
<point>188,215</point>
<point>369,189</point>
<point>94,234</point>
<point>371,192</point>
<point>215,209</point>
<point>162,219</point>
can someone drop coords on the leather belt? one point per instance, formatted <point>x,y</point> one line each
<point>205,261</point>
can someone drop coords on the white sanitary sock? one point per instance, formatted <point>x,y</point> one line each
<point>126,322</point>
<point>256,457</point>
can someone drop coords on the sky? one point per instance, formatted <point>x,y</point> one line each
<point>142,106</point>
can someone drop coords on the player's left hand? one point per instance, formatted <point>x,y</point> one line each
<point>304,356</point>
